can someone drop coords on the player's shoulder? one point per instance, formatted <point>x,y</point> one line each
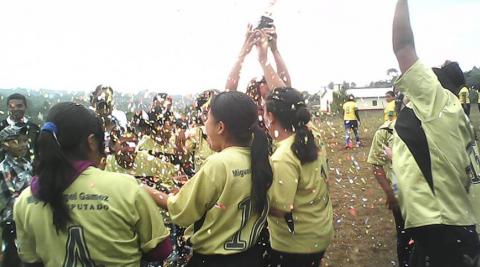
<point>109,178</point>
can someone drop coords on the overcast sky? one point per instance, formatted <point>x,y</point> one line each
<point>184,46</point>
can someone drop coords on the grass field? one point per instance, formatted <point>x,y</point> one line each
<point>364,227</point>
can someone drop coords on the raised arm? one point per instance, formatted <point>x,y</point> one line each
<point>403,40</point>
<point>271,76</point>
<point>234,76</point>
<point>281,66</point>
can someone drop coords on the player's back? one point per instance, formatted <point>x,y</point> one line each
<point>113,222</point>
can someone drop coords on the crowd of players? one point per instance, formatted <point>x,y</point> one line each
<point>241,179</point>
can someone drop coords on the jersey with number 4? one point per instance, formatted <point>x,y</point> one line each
<point>300,191</point>
<point>216,205</point>
<point>113,223</point>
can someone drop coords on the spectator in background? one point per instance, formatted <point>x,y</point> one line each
<point>464,97</point>
<point>15,175</point>
<point>17,105</point>
<point>101,101</point>
<point>389,112</point>
<point>351,121</point>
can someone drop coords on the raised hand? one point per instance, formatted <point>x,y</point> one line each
<point>262,46</point>
<point>249,41</point>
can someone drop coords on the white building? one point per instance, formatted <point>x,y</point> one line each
<point>324,99</point>
<point>369,98</point>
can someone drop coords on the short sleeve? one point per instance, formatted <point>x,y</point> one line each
<point>149,227</point>
<point>285,183</point>
<point>26,245</point>
<point>198,195</point>
<point>421,86</point>
<point>376,155</point>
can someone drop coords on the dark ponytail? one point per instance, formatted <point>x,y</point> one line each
<point>304,146</point>
<point>288,107</point>
<point>262,174</point>
<point>64,141</point>
<point>239,114</point>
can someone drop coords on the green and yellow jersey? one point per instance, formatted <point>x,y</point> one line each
<point>147,143</point>
<point>389,113</point>
<point>349,109</point>
<point>464,96</point>
<point>197,147</point>
<point>383,138</point>
<point>113,222</point>
<point>145,165</point>
<point>215,205</point>
<point>303,191</point>
<point>434,175</point>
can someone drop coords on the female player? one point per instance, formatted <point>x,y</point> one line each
<point>225,204</point>
<point>75,214</point>
<point>300,219</point>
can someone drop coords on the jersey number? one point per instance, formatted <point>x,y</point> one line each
<point>236,243</point>
<point>76,250</point>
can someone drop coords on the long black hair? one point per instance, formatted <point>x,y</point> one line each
<point>56,151</point>
<point>288,107</point>
<point>239,114</point>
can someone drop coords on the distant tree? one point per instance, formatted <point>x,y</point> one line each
<point>353,85</point>
<point>392,72</point>
<point>339,97</point>
<point>345,85</point>
<point>472,77</point>
<point>331,85</point>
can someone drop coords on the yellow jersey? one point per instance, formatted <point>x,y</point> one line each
<point>215,205</point>
<point>145,165</point>
<point>147,143</point>
<point>303,191</point>
<point>464,96</point>
<point>383,138</point>
<point>349,109</point>
<point>389,112</point>
<point>110,225</point>
<point>197,147</point>
<point>436,191</point>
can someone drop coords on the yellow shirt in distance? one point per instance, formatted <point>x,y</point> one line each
<point>349,109</point>
<point>464,96</point>
<point>303,190</point>
<point>447,131</point>
<point>215,205</point>
<point>113,222</point>
<point>389,112</point>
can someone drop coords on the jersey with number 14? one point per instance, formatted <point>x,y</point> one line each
<point>215,205</point>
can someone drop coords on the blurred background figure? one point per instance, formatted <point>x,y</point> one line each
<point>351,121</point>
<point>102,102</point>
<point>17,106</point>
<point>389,112</point>
<point>16,174</point>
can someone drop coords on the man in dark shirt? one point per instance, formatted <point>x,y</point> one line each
<point>17,105</point>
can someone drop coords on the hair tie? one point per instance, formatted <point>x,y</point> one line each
<point>51,128</point>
